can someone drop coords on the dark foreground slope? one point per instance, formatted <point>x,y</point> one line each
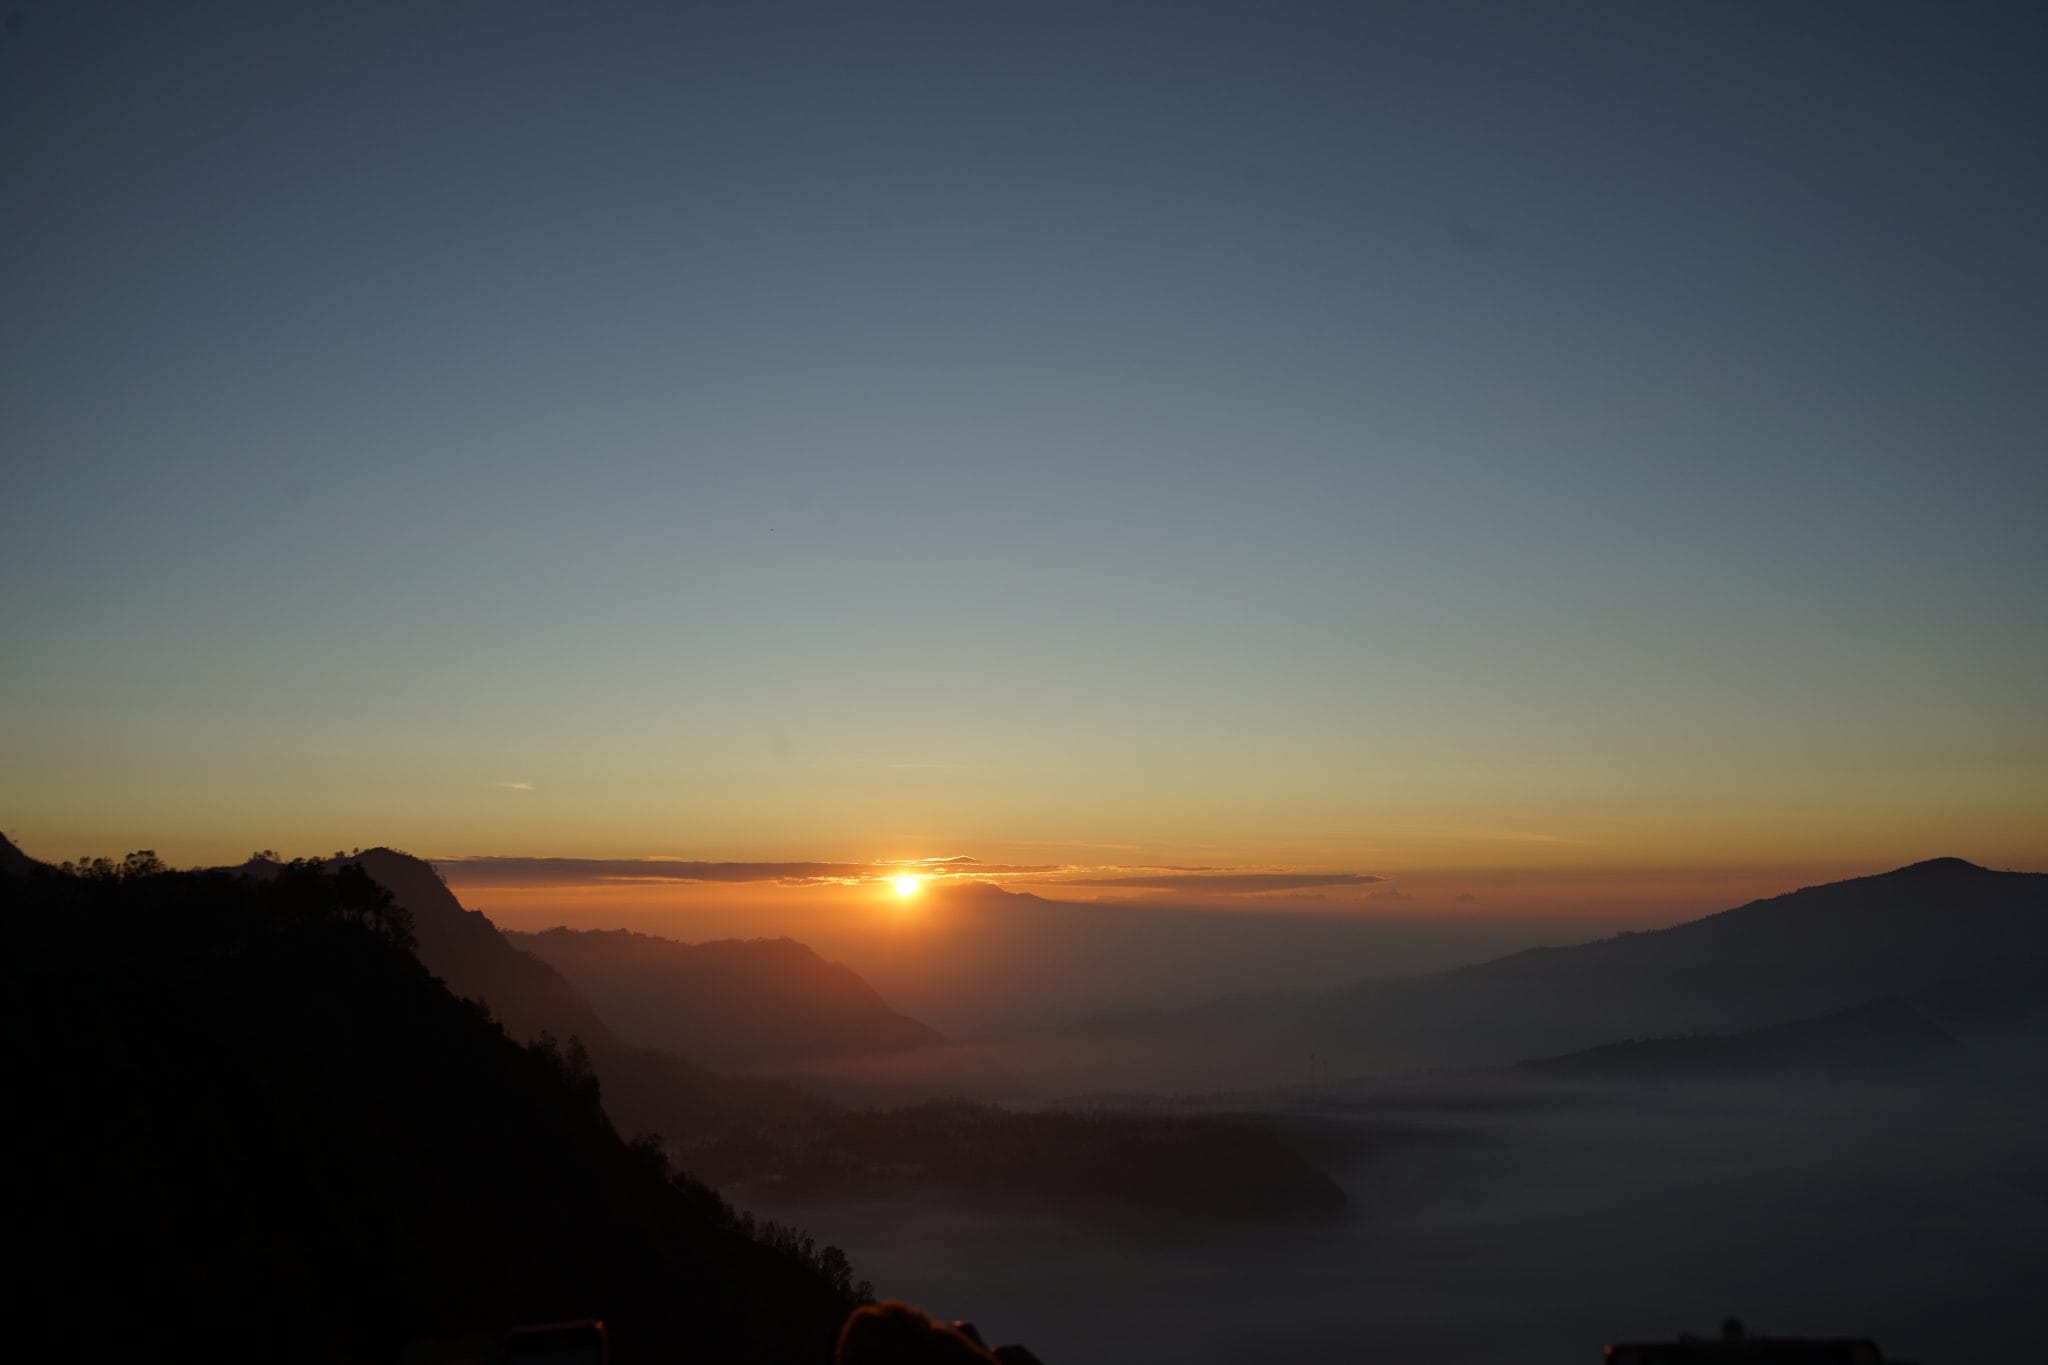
<point>1804,954</point>
<point>730,1004</point>
<point>252,1125</point>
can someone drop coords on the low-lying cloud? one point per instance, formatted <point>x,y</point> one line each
<point>1226,883</point>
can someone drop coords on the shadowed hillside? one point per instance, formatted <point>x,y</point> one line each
<point>731,1004</point>
<point>646,1088</point>
<point>1796,956</point>
<point>260,1123</point>
<point>13,862</point>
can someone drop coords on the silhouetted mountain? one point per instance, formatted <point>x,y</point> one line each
<point>646,1089</point>
<point>731,1004</point>
<point>1803,954</point>
<point>13,862</point>
<point>467,951</point>
<point>1881,1037</point>
<point>2007,996</point>
<point>251,1125</point>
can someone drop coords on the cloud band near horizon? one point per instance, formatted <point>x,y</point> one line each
<point>493,870</point>
<point>1228,883</point>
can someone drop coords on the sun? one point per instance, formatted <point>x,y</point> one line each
<point>906,886</point>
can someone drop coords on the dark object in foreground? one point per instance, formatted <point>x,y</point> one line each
<point>1734,1346</point>
<point>558,1343</point>
<point>894,1333</point>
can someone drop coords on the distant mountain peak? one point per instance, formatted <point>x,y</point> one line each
<point>1937,867</point>
<point>1943,925</point>
<point>728,1003</point>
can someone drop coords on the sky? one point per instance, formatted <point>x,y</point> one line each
<point>1419,441</point>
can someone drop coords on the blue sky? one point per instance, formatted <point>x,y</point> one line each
<point>1323,435</point>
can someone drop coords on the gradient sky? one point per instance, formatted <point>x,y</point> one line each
<point>1357,438</point>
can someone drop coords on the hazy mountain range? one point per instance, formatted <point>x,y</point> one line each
<point>976,960</point>
<point>647,1089</point>
<point>1945,928</point>
<point>686,1035</point>
<point>738,1004</point>
<point>672,1027</point>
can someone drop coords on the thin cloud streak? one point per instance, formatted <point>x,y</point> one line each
<point>500,871</point>
<point>1228,883</point>
<point>490,870</point>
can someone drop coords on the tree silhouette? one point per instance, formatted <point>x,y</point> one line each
<point>139,864</point>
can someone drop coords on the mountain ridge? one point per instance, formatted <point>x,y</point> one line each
<point>1806,952</point>
<point>734,1004</point>
<point>646,1089</point>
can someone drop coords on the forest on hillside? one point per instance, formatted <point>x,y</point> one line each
<point>256,1123</point>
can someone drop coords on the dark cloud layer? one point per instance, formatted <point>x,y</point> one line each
<point>1227,883</point>
<point>497,871</point>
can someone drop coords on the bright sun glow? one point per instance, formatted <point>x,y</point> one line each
<point>907,886</point>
